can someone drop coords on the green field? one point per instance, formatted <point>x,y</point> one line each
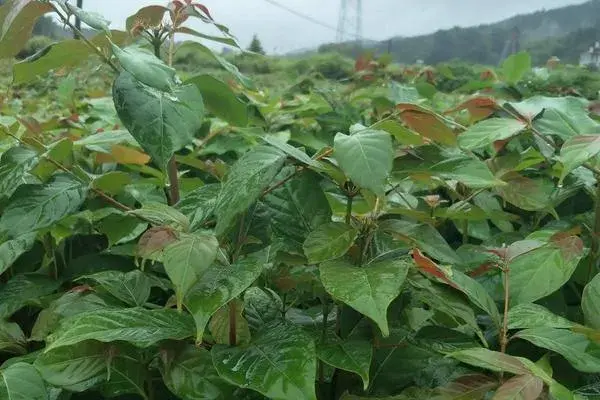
<point>176,223</point>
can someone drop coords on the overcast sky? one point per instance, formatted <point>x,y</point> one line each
<point>281,31</point>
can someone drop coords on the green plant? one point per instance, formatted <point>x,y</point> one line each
<point>200,239</point>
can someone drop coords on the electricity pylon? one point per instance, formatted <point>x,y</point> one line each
<point>350,22</point>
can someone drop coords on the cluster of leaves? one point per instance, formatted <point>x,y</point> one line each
<point>202,240</point>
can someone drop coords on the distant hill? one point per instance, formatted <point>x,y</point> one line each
<point>563,32</point>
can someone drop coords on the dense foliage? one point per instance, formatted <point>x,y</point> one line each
<point>199,236</point>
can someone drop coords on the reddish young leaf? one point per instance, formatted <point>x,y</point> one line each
<point>429,267</point>
<point>154,240</point>
<point>570,246</point>
<point>426,123</point>
<point>468,387</point>
<point>524,387</point>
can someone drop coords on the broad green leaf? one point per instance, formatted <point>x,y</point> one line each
<point>15,165</point>
<point>366,157</point>
<point>499,362</point>
<point>423,236</point>
<point>368,289</point>
<point>133,288</point>
<point>469,171</point>
<point>120,228</point>
<point>21,381</point>
<point>76,368</point>
<point>403,135</point>
<point>138,326</point>
<point>297,208</point>
<point>219,39</point>
<point>191,375</point>
<point>127,374</point>
<point>486,132</point>
<point>92,19</point>
<point>161,122</point>
<point>570,345</point>
<point>279,363</point>
<point>187,259</point>
<point>550,266</point>
<point>12,249</point>
<point>220,100</point>
<point>60,152</point>
<point>12,338</point>
<point>590,302</point>
<point>516,66</point>
<point>17,19</point>
<point>112,182</point>
<point>578,150</point>
<point>24,290</point>
<point>218,285</point>
<point>527,193</point>
<point>220,326</point>
<point>246,181</point>
<point>161,214</point>
<point>146,68</point>
<point>329,241</point>
<point>291,151</point>
<point>522,387</point>
<point>33,207</point>
<point>530,315</point>
<point>261,306</point>
<point>198,205</point>
<point>349,355</point>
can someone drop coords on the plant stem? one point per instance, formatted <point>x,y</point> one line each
<point>232,324</point>
<point>349,201</point>
<point>171,46</point>
<point>595,250</point>
<point>504,330</point>
<point>173,182</point>
<point>66,21</point>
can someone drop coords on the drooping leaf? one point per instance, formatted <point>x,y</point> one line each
<point>161,122</point>
<point>578,150</point>
<point>349,355</point>
<point>516,66</point>
<point>146,68</point>
<point>23,290</point>
<point>469,171</point>
<point>220,324</point>
<point>499,362</point>
<point>219,284</point>
<point>162,215</point>
<point>12,338</point>
<point>279,363</point>
<point>33,207</point>
<point>10,250</point>
<point>590,302</point>
<point>530,315</point>
<point>191,375</point>
<point>187,259</point>
<point>246,181</point>
<point>474,386</point>
<point>365,156</point>
<point>221,100</point>
<point>18,18</point>
<point>486,132</point>
<point>522,387</point>
<point>21,381</point>
<point>138,326</point>
<point>369,289</point>
<point>92,19</point>
<point>427,123</point>
<point>132,287</point>
<point>550,266</point>
<point>329,241</point>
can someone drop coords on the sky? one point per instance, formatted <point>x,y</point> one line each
<point>281,31</point>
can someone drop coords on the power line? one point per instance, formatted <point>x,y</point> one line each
<point>307,17</point>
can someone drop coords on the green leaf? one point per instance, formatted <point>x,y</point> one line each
<point>133,288</point>
<point>261,306</point>
<point>33,207</point>
<point>369,289</point>
<point>291,151</point>
<point>187,259</point>
<point>17,19</point>
<point>11,250</point>
<point>423,236</point>
<point>23,290</point>
<point>570,345</point>
<point>550,266</point>
<point>12,338</point>
<point>74,368</point>
<point>526,193</point>
<point>403,135</point>
<point>92,19</point>
<point>161,214</point>
<point>126,372</point>
<point>279,363</point>
<point>161,122</point>
<point>221,100</point>
<point>529,315</point>
<point>366,157</point>
<point>220,284</point>
<point>329,241</point>
<point>590,302</point>
<point>246,181</point>
<point>21,381</point>
<point>516,66</point>
<point>112,182</point>
<point>199,205</point>
<point>15,165</point>
<point>220,326</point>
<point>138,326</point>
<point>488,131</point>
<point>466,387</point>
<point>120,228</point>
<point>146,68</point>
<point>498,362</point>
<point>576,151</point>
<point>191,375</point>
<point>297,208</point>
<point>523,387</point>
<point>469,171</point>
<point>348,355</point>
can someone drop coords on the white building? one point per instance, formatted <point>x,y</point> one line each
<point>591,58</point>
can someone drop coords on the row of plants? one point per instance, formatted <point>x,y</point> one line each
<point>206,239</point>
